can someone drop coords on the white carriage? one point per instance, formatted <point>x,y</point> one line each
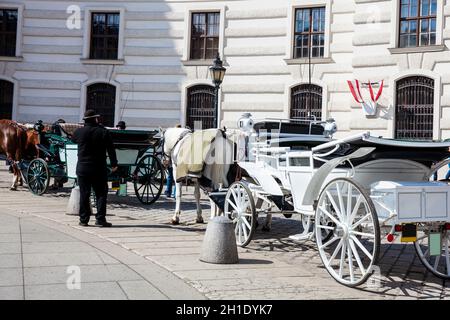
<point>350,193</point>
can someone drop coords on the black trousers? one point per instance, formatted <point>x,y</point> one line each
<point>100,186</point>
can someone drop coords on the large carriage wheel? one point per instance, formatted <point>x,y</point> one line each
<point>240,207</point>
<point>38,176</point>
<point>352,250</point>
<point>439,265</point>
<point>148,179</point>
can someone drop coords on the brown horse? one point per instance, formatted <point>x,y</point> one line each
<point>17,143</point>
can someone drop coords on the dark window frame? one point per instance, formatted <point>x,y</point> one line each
<point>418,19</point>
<point>204,37</point>
<point>6,99</point>
<point>414,108</point>
<point>201,110</point>
<point>313,94</point>
<point>106,52</point>
<point>310,33</point>
<point>108,112</point>
<point>8,39</point>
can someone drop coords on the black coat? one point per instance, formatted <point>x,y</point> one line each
<point>93,142</point>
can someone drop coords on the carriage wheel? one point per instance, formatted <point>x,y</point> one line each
<point>38,176</point>
<point>240,207</point>
<point>438,265</point>
<point>352,250</point>
<point>308,226</point>
<point>148,179</point>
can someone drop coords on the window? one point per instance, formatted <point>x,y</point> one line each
<point>200,107</point>
<point>414,108</point>
<point>306,102</point>
<point>102,98</point>
<point>6,99</point>
<point>8,32</point>
<point>417,23</point>
<point>309,33</point>
<point>104,35</point>
<point>205,35</point>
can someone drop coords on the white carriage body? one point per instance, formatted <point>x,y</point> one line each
<point>281,171</point>
<point>412,202</point>
<point>347,192</point>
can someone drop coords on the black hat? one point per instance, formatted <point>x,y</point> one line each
<point>90,114</point>
<point>121,124</point>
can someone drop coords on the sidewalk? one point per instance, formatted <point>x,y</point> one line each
<point>35,257</point>
<point>144,241</point>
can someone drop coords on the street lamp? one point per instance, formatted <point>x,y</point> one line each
<point>217,72</point>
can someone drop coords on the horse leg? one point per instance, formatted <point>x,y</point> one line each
<point>16,174</point>
<point>178,193</point>
<point>268,223</point>
<point>197,201</point>
<point>214,209</point>
<point>20,180</point>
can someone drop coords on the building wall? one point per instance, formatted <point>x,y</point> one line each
<point>256,47</point>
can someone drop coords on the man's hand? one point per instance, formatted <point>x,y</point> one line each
<point>114,169</point>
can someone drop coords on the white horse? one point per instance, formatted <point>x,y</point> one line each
<point>213,157</point>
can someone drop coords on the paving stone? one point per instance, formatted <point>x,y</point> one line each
<point>11,293</point>
<point>9,247</point>
<point>11,277</point>
<point>88,273</point>
<point>10,261</point>
<point>141,290</point>
<point>56,247</point>
<point>88,291</point>
<point>65,259</point>
<point>9,237</point>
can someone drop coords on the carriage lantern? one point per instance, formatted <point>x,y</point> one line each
<point>217,74</point>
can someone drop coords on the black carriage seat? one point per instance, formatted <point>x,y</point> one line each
<point>135,139</point>
<point>291,127</point>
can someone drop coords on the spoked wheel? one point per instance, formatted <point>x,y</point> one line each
<point>354,246</point>
<point>38,177</point>
<point>439,265</point>
<point>148,179</point>
<point>308,225</point>
<point>240,207</point>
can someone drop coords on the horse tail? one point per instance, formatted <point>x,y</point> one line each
<point>20,143</point>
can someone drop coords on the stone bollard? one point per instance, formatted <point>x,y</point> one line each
<point>219,244</point>
<point>73,207</point>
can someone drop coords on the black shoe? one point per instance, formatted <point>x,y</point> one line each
<point>103,224</point>
<point>83,224</point>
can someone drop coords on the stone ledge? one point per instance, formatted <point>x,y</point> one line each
<point>189,63</point>
<point>306,60</point>
<point>100,61</point>
<point>11,59</point>
<point>417,49</point>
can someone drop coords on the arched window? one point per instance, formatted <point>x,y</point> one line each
<point>200,107</point>
<point>102,98</point>
<point>414,108</point>
<point>306,101</point>
<point>6,99</point>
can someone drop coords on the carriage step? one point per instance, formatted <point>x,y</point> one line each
<point>301,236</point>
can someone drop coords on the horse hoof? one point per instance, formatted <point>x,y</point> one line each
<point>265,228</point>
<point>200,220</point>
<point>13,188</point>
<point>175,222</point>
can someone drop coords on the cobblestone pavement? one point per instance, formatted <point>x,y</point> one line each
<point>271,267</point>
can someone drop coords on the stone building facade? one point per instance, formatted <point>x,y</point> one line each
<point>156,74</point>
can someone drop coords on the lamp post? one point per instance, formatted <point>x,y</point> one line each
<point>217,72</point>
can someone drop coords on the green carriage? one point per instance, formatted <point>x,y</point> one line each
<point>137,154</point>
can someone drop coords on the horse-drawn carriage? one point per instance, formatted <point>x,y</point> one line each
<point>349,192</point>
<point>138,161</point>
